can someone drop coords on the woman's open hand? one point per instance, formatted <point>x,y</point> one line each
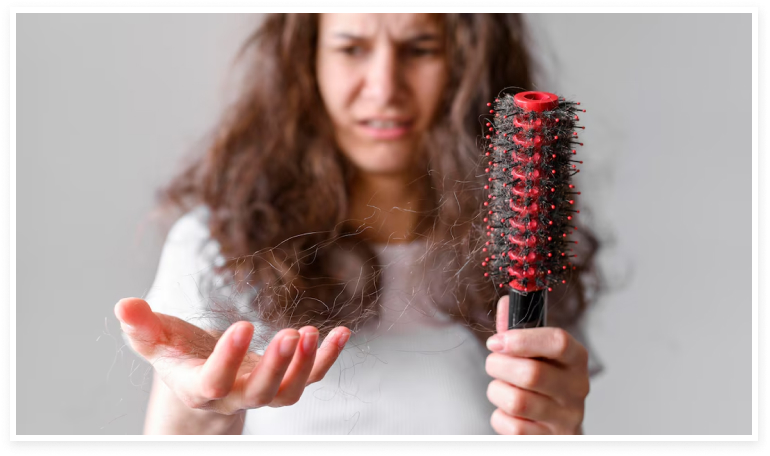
<point>220,374</point>
<point>541,379</point>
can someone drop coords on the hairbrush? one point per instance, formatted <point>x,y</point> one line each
<point>530,150</point>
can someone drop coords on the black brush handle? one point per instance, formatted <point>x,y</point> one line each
<point>526,311</point>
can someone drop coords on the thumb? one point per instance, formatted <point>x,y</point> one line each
<point>501,316</point>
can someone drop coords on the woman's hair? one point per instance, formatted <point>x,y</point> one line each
<point>277,187</point>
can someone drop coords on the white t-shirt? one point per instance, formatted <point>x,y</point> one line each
<point>414,371</point>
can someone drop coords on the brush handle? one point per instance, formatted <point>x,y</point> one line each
<point>526,311</point>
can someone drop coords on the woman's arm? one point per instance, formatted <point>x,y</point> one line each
<point>166,414</point>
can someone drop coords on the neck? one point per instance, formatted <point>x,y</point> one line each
<point>387,206</point>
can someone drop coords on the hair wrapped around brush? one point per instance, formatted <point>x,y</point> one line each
<point>530,150</point>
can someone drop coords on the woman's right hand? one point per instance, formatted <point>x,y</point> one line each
<point>220,374</point>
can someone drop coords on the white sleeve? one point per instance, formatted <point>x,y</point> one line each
<point>184,284</point>
<point>186,287</point>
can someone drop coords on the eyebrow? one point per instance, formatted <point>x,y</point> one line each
<point>415,39</point>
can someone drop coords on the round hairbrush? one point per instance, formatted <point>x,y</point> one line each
<point>529,211</point>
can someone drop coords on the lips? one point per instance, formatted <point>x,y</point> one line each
<point>388,122</point>
<point>385,128</point>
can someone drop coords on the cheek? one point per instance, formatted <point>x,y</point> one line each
<point>431,84</point>
<point>334,87</point>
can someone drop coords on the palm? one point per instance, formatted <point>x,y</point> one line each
<point>216,371</point>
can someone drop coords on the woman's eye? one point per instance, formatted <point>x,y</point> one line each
<point>352,50</point>
<point>356,50</point>
<point>419,52</point>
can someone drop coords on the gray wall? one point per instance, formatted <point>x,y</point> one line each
<point>108,104</point>
<point>669,137</point>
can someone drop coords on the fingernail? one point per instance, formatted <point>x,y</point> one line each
<point>494,343</point>
<point>239,337</point>
<point>309,341</point>
<point>343,339</point>
<point>288,344</point>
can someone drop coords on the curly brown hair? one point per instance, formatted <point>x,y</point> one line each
<point>277,186</point>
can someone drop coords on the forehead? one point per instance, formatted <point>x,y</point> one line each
<point>372,24</point>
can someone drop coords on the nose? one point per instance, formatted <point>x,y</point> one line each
<point>383,77</point>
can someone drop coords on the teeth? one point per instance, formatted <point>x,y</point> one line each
<point>383,124</point>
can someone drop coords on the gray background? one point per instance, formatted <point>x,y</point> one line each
<point>108,104</point>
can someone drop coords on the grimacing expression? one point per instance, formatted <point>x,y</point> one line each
<point>381,78</point>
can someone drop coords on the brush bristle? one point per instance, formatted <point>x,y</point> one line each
<point>530,160</point>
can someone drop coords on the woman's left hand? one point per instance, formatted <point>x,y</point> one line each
<point>541,379</point>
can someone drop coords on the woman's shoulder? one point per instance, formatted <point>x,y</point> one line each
<point>191,226</point>
<point>187,284</point>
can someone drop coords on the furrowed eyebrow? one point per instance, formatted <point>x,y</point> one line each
<point>347,36</point>
<point>422,37</point>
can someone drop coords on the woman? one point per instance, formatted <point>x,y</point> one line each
<point>341,193</point>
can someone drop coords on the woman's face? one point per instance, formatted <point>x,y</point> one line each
<point>381,77</point>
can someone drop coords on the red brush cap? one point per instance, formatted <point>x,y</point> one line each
<point>536,101</point>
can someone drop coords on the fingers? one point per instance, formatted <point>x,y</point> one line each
<point>530,374</point>
<point>289,364</point>
<point>264,381</point>
<point>218,373</point>
<point>328,352</point>
<point>552,343</point>
<point>299,370</point>
<point>208,371</point>
<point>507,425</point>
<point>310,364</point>
<point>141,325</point>
<point>520,403</point>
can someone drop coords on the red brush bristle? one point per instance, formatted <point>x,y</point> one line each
<point>530,200</point>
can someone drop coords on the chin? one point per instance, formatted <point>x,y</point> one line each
<point>380,169</point>
<point>385,161</point>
